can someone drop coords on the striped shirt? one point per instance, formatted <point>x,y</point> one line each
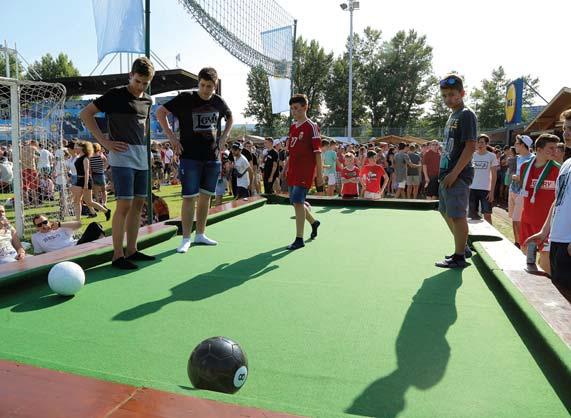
<point>96,163</point>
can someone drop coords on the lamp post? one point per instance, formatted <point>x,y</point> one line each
<point>350,6</point>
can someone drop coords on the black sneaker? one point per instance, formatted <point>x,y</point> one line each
<point>452,263</point>
<point>297,244</point>
<point>138,256</point>
<point>314,227</point>
<point>108,214</point>
<point>124,264</point>
<point>467,253</point>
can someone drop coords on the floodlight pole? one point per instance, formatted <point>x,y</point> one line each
<point>350,6</point>
<point>350,104</point>
<point>148,133</point>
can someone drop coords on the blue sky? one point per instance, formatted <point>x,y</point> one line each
<point>479,37</point>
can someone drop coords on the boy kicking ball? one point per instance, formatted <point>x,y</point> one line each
<point>304,147</point>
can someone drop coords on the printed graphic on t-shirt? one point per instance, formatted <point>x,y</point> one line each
<point>481,165</point>
<point>205,122</point>
<point>547,184</point>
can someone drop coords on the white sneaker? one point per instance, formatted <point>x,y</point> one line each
<point>184,246</point>
<point>202,239</point>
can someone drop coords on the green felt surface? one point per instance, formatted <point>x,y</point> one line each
<point>358,322</point>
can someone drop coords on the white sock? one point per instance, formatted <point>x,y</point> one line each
<point>184,245</point>
<point>203,239</point>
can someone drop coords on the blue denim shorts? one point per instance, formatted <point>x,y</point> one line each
<point>453,202</point>
<point>129,183</point>
<point>297,194</point>
<point>199,177</point>
<point>98,179</point>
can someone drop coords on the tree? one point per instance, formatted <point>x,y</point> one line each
<point>311,67</point>
<point>336,95</point>
<point>395,76</point>
<point>488,101</point>
<point>12,58</point>
<point>259,104</point>
<point>49,68</point>
<point>438,113</point>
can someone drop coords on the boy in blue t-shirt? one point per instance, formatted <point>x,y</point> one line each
<point>456,171</point>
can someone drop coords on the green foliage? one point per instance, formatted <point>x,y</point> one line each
<point>259,105</point>
<point>311,68</point>
<point>395,76</point>
<point>488,101</point>
<point>48,67</point>
<point>336,95</point>
<point>12,58</point>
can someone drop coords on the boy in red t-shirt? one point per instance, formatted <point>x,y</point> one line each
<point>350,177</point>
<point>538,178</point>
<point>304,147</point>
<point>371,175</point>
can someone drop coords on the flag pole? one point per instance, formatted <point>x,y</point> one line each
<point>148,133</point>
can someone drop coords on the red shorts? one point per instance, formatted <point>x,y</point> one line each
<point>527,230</point>
<point>30,179</point>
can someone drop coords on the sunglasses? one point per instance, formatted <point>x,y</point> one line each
<point>450,81</point>
<point>41,223</point>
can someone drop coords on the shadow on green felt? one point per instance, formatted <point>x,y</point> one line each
<point>421,347</point>
<point>221,279</point>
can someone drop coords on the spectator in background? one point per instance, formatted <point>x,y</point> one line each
<point>483,184</point>
<point>244,172</point>
<point>523,144</point>
<point>45,160</point>
<point>430,168</point>
<point>538,177</point>
<point>30,179</point>
<point>168,157</point>
<point>6,174</point>
<point>98,164</point>
<point>10,246</point>
<point>271,162</point>
<point>371,175</point>
<point>413,173</point>
<point>82,188</point>
<point>224,179</point>
<point>557,228</point>
<point>350,178</point>
<point>329,166</point>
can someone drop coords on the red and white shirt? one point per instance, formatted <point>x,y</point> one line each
<point>349,188</point>
<point>372,175</point>
<point>536,213</point>
<point>303,142</point>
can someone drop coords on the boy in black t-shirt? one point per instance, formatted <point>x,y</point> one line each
<point>456,171</point>
<point>200,116</point>
<point>271,163</point>
<point>127,111</point>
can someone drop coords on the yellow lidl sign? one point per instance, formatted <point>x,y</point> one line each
<point>514,99</point>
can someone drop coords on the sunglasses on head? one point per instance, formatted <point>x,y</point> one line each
<point>449,81</point>
<point>41,223</point>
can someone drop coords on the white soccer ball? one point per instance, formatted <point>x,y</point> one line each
<point>66,278</point>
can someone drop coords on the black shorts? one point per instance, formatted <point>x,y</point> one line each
<point>560,261</point>
<point>80,182</point>
<point>432,188</point>
<point>242,193</point>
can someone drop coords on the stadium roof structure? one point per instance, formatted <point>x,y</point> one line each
<point>548,118</point>
<point>163,82</point>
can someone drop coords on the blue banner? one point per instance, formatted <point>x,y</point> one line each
<point>514,102</point>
